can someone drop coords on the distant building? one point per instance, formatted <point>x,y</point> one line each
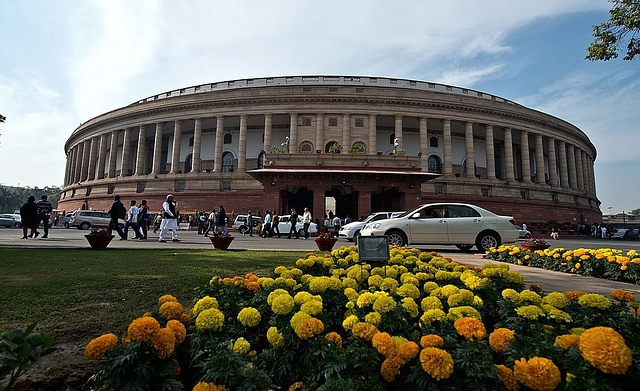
<point>282,142</point>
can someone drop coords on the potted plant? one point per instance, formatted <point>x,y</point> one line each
<point>325,241</point>
<point>356,149</point>
<point>221,240</point>
<point>99,237</point>
<point>535,244</point>
<point>335,148</point>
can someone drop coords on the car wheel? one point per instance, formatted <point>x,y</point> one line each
<point>243,229</point>
<point>301,232</point>
<point>486,240</point>
<point>84,226</point>
<point>527,236</point>
<point>356,236</point>
<point>18,225</point>
<point>464,247</point>
<point>397,238</point>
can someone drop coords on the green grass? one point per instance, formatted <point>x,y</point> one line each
<point>81,293</point>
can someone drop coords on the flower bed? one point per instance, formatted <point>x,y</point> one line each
<point>421,322</point>
<point>606,263</point>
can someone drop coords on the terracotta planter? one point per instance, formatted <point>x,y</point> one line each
<point>325,244</point>
<point>99,241</point>
<point>221,242</point>
<point>534,247</point>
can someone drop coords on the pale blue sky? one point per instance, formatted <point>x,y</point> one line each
<point>64,62</point>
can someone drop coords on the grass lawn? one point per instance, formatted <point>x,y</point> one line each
<point>79,294</point>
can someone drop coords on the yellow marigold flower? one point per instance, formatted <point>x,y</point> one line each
<point>594,300</point>
<point>171,310</point>
<point>282,304</point>
<point>605,349</point>
<point>335,338</point>
<point>508,379</point>
<point>313,307</point>
<point>366,299</point>
<point>241,346</point>
<point>297,385</point>
<point>411,307</point>
<point>532,312</point>
<point>511,295</point>
<point>407,351</point>
<point>349,322</point>
<point>164,341</point>
<point>204,304</point>
<point>500,339</point>
<point>249,317</point>
<point>266,282</point>
<point>384,344</point>
<point>431,316</point>
<point>364,331</point>
<point>622,295</point>
<point>384,304</point>
<point>389,284</point>
<point>390,368</point>
<point>274,337</point>
<point>431,303</point>
<point>464,311</point>
<point>470,328</point>
<point>567,341</point>
<point>537,373</point>
<point>210,319</point>
<point>429,286</point>
<point>165,299</point>
<point>475,282</point>
<point>373,317</point>
<point>142,329</point>
<point>297,318</point>
<point>431,341</point>
<point>556,299</point>
<point>179,331</point>
<point>436,362</point>
<point>100,346</point>
<point>204,386</point>
<point>408,290</point>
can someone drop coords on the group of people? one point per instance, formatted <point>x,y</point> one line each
<point>33,213</point>
<point>136,217</point>
<point>217,220</point>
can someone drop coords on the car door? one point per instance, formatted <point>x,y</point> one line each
<point>464,223</point>
<point>428,226</point>
<point>283,225</point>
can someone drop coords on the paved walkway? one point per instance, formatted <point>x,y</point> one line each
<point>73,238</point>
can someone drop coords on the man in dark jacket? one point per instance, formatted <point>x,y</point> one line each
<point>293,220</point>
<point>29,217</point>
<point>44,214</point>
<point>117,211</point>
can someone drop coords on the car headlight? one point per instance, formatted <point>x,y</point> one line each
<point>372,226</point>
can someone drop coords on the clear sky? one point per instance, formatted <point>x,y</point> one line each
<point>65,62</point>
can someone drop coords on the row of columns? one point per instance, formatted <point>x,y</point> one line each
<point>575,165</point>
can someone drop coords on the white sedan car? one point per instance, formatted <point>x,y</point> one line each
<point>284,226</point>
<point>462,225</point>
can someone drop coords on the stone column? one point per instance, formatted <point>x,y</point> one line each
<point>508,155</point>
<point>579,169</point>
<point>268,119</point>
<point>293,133</point>
<point>93,156</point>
<point>197,141</point>
<point>470,159</point>
<point>242,144</point>
<point>564,170</point>
<point>346,132</point>
<point>540,178</point>
<point>373,144</point>
<point>424,145</point>
<point>491,153</point>
<point>217,157</point>
<point>398,132</point>
<point>157,150</point>
<point>320,131</point>
<point>571,163</point>
<point>592,176</point>
<point>126,152</point>
<point>175,154</point>
<point>448,157</point>
<point>84,169</point>
<point>102,156</point>
<point>524,152</point>
<point>142,150</point>
<point>71,158</point>
<point>78,163</point>
<point>553,165</point>
<point>113,154</point>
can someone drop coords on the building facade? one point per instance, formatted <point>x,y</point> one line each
<point>355,144</point>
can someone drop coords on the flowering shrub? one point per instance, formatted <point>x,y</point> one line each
<point>420,322</point>
<point>601,263</point>
<point>535,242</point>
<point>325,235</point>
<point>102,231</point>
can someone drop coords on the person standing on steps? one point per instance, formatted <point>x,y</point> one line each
<point>117,211</point>
<point>44,214</point>
<point>293,221</point>
<point>169,220</point>
<point>30,218</point>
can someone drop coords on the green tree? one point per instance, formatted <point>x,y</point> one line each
<point>611,35</point>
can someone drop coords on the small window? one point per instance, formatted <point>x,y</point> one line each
<point>433,142</point>
<point>306,121</point>
<point>392,138</point>
<point>227,162</point>
<point>306,147</point>
<point>111,189</point>
<point>359,122</point>
<point>307,89</point>
<point>141,187</point>
<point>434,164</point>
<point>226,185</point>
<point>180,185</point>
<point>333,122</point>
<point>261,159</point>
<point>576,200</point>
<point>73,193</point>
<point>439,188</point>
<point>88,191</point>
<point>523,194</point>
<point>333,89</point>
<point>191,141</point>
<point>485,191</point>
<point>554,198</point>
<point>228,138</point>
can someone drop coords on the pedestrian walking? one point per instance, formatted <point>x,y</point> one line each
<point>293,221</point>
<point>212,220</point>
<point>117,211</point>
<point>132,221</point>
<point>336,225</point>
<point>44,214</point>
<point>30,218</point>
<point>169,220</point>
<point>250,222</point>
<point>275,220</point>
<point>144,219</point>
<point>306,220</point>
<point>266,225</point>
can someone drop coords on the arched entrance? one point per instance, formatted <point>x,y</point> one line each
<point>341,200</point>
<point>298,198</point>
<point>387,199</point>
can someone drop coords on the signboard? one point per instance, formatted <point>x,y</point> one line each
<point>373,248</point>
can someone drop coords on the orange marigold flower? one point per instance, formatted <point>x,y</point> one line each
<point>142,329</point>
<point>204,386</point>
<point>436,362</point>
<point>126,341</point>
<point>537,373</point>
<point>296,386</point>
<point>470,328</point>
<point>535,287</point>
<point>364,331</point>
<point>605,349</point>
<point>176,369</point>
<point>179,331</point>
<point>431,341</point>
<point>185,319</point>
<point>390,368</point>
<point>384,344</point>
<point>500,339</point>
<point>574,295</point>
<point>165,299</point>
<point>335,338</point>
<point>407,351</point>
<point>567,341</point>
<point>622,295</point>
<point>508,379</point>
<point>100,346</point>
<point>309,327</point>
<point>164,341</point>
<point>171,310</point>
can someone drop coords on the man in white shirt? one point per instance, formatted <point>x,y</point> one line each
<point>169,220</point>
<point>306,220</point>
<point>132,221</point>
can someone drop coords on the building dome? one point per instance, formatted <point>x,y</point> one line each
<point>353,145</point>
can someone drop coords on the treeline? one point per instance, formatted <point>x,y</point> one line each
<point>12,198</point>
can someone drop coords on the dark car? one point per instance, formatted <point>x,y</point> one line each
<point>626,234</point>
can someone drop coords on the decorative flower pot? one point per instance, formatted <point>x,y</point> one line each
<point>99,241</point>
<point>325,244</point>
<point>534,247</point>
<point>221,242</point>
